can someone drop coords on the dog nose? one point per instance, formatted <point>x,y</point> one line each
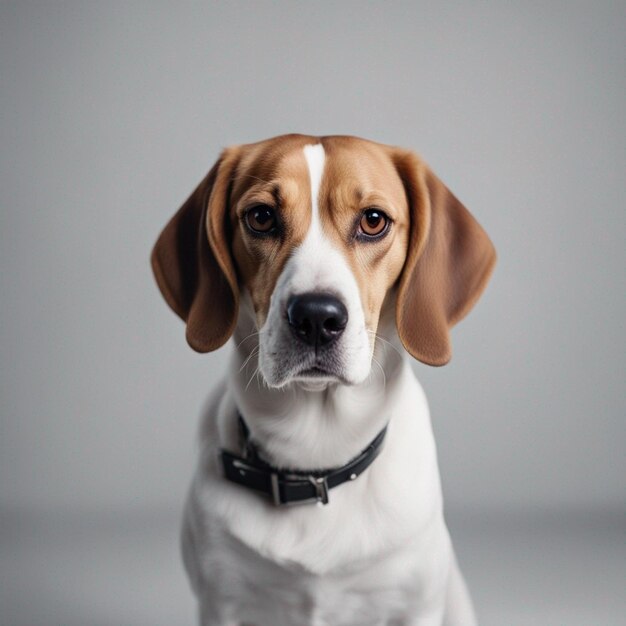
<point>316,318</point>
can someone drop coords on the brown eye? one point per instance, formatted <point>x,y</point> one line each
<point>261,218</point>
<point>373,223</point>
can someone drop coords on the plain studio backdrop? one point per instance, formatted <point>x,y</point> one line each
<point>111,113</point>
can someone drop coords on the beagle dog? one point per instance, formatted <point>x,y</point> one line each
<point>317,497</point>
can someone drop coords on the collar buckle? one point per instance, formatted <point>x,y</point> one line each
<point>321,488</point>
<point>319,482</point>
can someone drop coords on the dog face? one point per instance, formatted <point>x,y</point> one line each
<point>318,243</point>
<point>320,232</point>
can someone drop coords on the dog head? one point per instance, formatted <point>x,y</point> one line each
<point>321,234</point>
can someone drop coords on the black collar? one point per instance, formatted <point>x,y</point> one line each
<point>292,486</point>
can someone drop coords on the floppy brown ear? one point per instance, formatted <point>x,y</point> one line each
<point>449,261</point>
<point>192,261</point>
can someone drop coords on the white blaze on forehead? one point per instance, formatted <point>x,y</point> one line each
<point>315,157</point>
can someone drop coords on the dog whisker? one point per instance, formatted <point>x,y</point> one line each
<point>254,334</point>
<point>255,351</point>
<point>254,374</point>
<point>383,340</point>
<point>382,371</point>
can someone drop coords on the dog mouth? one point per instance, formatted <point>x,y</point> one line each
<point>315,372</point>
<point>318,375</point>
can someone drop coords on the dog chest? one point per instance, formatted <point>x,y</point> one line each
<point>371,591</point>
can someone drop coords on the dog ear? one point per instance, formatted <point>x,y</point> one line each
<point>192,261</point>
<point>449,261</point>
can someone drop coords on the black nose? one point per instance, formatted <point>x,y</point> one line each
<point>316,318</point>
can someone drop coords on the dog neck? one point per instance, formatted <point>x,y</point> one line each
<point>299,427</point>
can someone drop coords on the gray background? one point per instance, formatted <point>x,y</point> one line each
<point>111,114</point>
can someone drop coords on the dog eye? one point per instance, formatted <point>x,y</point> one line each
<point>373,223</point>
<point>261,218</point>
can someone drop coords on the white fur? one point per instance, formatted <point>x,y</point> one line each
<point>379,553</point>
<point>315,159</point>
